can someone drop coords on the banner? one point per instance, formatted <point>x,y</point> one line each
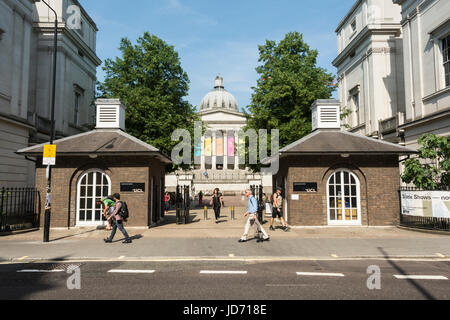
<point>208,149</point>
<point>198,149</point>
<point>231,147</point>
<point>426,203</point>
<point>219,147</point>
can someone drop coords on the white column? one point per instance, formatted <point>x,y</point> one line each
<point>214,157</point>
<point>202,155</point>
<point>225,150</point>
<point>236,153</point>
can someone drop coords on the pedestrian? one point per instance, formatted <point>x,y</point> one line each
<point>253,219</point>
<point>200,197</point>
<point>108,208</point>
<point>278,210</point>
<point>217,203</point>
<point>117,221</point>
<point>166,203</point>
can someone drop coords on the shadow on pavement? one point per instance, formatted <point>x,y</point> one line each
<point>419,288</point>
<point>73,235</point>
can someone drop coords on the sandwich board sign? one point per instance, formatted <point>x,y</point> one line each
<point>49,157</point>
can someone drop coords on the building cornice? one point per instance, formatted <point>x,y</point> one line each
<point>430,117</point>
<point>348,15</point>
<point>363,35</point>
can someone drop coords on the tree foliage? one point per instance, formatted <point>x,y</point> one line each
<point>290,81</point>
<point>149,79</point>
<point>431,168</point>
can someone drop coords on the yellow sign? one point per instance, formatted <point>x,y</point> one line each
<point>208,147</point>
<point>49,156</point>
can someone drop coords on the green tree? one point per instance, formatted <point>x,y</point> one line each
<point>149,79</point>
<point>290,81</point>
<point>431,168</point>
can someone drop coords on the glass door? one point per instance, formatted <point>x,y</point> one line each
<point>343,199</point>
<point>92,186</point>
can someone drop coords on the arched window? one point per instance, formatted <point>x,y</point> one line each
<point>343,194</point>
<point>92,185</point>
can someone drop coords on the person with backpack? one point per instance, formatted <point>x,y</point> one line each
<point>278,211</point>
<point>108,208</point>
<point>253,220</point>
<point>119,215</point>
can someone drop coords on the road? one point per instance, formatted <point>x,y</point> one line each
<point>227,280</point>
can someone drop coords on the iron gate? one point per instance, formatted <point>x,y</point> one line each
<point>19,209</point>
<point>183,203</point>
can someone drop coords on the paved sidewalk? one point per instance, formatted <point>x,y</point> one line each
<point>207,240</point>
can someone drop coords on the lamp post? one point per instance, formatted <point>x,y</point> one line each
<point>52,132</point>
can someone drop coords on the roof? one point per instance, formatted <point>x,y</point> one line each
<point>99,142</point>
<point>335,141</point>
<point>219,98</point>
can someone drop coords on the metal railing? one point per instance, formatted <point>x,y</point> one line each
<point>421,222</point>
<point>19,209</point>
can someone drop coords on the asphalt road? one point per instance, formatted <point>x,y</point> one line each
<point>200,280</point>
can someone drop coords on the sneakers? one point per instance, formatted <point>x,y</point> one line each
<point>272,228</point>
<point>285,229</point>
<point>127,241</point>
<point>107,241</point>
<point>241,240</point>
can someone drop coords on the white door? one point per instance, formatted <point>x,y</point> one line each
<point>343,194</point>
<point>93,185</point>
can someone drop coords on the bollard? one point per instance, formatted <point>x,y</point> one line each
<point>232,213</point>
<point>205,213</point>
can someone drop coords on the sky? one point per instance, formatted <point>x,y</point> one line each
<point>214,36</point>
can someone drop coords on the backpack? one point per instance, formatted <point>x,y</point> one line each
<point>123,212</point>
<point>261,206</point>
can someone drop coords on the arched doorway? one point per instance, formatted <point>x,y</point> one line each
<point>343,198</point>
<point>92,185</point>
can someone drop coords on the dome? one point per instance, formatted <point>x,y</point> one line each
<point>219,98</point>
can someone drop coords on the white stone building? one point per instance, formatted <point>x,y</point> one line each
<point>26,51</point>
<point>219,161</point>
<point>426,42</point>
<point>370,68</point>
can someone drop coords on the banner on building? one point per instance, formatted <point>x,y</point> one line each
<point>231,147</point>
<point>426,203</point>
<point>219,146</point>
<point>198,149</point>
<point>208,149</point>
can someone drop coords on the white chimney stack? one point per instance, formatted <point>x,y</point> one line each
<point>326,114</point>
<point>110,114</point>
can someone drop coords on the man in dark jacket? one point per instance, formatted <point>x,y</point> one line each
<point>117,221</point>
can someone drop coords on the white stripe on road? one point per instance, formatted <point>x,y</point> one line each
<point>419,277</point>
<point>320,274</point>
<point>41,271</point>
<point>130,271</point>
<point>222,272</point>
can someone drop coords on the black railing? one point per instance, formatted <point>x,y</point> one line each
<point>182,204</point>
<point>421,222</point>
<point>19,209</point>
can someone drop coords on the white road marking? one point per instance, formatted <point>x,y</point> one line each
<point>335,256</point>
<point>419,277</point>
<point>130,271</point>
<point>121,257</point>
<point>440,255</point>
<point>222,272</point>
<point>22,258</point>
<point>322,274</point>
<point>231,255</point>
<point>40,271</point>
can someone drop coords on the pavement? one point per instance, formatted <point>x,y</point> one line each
<point>206,240</point>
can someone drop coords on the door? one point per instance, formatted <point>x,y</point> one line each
<point>93,185</point>
<point>343,193</point>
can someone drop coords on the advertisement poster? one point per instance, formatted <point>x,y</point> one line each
<point>426,203</point>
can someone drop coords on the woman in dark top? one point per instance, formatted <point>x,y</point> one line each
<point>217,203</point>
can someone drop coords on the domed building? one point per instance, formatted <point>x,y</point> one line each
<point>217,156</point>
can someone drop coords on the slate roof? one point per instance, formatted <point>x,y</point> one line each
<point>331,141</point>
<point>99,142</point>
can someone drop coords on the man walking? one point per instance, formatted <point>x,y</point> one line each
<point>117,221</point>
<point>278,210</point>
<point>253,219</point>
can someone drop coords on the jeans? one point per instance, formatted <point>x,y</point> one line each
<point>115,225</point>
<point>217,212</point>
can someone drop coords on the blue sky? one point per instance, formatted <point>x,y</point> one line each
<point>214,37</point>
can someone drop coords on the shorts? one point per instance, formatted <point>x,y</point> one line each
<point>276,214</point>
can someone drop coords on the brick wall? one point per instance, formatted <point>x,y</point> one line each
<point>379,183</point>
<point>66,173</point>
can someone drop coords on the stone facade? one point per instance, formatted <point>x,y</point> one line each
<point>26,48</point>
<point>379,184</point>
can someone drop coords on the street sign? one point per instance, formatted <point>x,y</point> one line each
<point>49,157</point>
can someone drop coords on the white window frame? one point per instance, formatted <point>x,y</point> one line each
<point>93,222</point>
<point>344,222</point>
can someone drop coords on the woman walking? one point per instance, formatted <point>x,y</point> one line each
<point>217,203</point>
<point>166,203</point>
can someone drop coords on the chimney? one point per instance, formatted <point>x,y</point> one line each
<point>110,114</point>
<point>326,114</point>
